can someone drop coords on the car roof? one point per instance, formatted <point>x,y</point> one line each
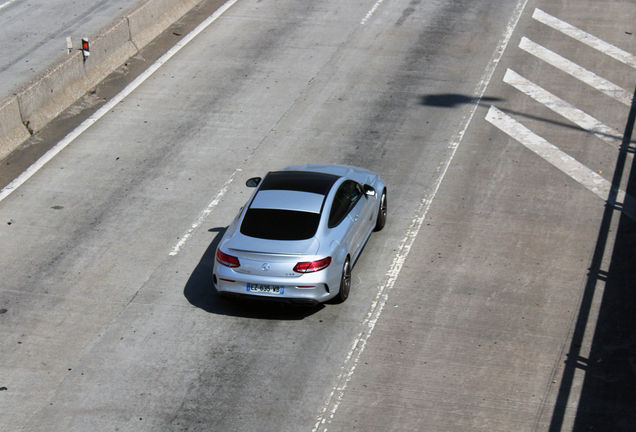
<point>302,191</point>
<point>288,200</point>
<point>360,175</point>
<point>300,181</point>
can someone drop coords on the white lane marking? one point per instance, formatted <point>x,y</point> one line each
<point>558,105</point>
<point>561,160</point>
<point>578,72</point>
<point>584,37</point>
<point>371,12</point>
<point>111,103</point>
<point>353,356</point>
<point>6,3</point>
<point>203,215</point>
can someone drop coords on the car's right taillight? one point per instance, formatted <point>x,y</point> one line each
<point>227,260</point>
<point>313,266</point>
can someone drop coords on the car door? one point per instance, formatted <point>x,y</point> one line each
<point>347,216</point>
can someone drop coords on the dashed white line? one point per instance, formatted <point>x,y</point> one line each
<point>6,191</point>
<point>561,160</point>
<point>586,38</point>
<point>351,360</point>
<point>558,105</point>
<point>203,216</point>
<point>371,12</point>
<point>578,72</point>
<point>6,3</point>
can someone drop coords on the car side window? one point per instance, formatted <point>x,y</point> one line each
<point>345,199</point>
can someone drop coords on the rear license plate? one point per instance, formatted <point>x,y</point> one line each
<point>269,289</point>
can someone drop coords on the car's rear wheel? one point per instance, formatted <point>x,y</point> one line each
<point>381,220</point>
<point>345,281</point>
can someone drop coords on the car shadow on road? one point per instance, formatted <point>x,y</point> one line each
<point>200,292</point>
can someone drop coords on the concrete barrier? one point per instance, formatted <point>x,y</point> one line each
<point>12,130</point>
<point>61,85</point>
<point>44,98</point>
<point>152,18</point>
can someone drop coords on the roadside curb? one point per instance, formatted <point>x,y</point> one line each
<point>44,98</point>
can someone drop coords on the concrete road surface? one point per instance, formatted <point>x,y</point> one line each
<point>498,297</point>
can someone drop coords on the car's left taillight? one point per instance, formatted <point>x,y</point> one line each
<point>312,266</point>
<point>227,260</point>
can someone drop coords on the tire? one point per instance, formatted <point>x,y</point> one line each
<point>345,282</point>
<point>381,220</point>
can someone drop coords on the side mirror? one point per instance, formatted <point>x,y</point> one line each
<point>368,190</point>
<point>253,182</point>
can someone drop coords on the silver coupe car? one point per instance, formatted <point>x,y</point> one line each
<point>299,234</point>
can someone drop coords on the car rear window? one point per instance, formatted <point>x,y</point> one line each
<point>274,224</point>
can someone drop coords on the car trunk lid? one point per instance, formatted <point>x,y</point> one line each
<point>271,258</point>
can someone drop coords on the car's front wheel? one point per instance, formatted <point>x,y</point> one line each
<point>381,220</point>
<point>345,281</point>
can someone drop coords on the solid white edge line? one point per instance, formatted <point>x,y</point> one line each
<point>29,172</point>
<point>584,37</point>
<point>351,359</point>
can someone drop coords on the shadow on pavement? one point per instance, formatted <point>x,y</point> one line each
<point>201,293</point>
<point>453,100</point>
<point>608,395</point>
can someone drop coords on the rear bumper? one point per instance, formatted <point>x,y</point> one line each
<point>281,300</point>
<point>230,284</point>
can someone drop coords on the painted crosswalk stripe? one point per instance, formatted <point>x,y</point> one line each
<point>578,72</point>
<point>564,162</point>
<point>584,37</point>
<point>561,107</point>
